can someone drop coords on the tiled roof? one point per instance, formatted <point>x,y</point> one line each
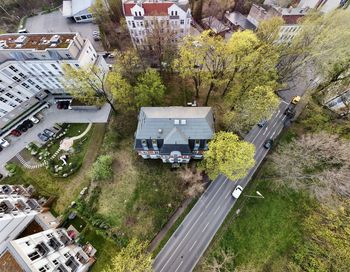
<point>151,9</point>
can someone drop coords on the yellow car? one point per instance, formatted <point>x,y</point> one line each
<point>295,100</point>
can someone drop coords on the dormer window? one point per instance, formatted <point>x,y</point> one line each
<point>139,13</point>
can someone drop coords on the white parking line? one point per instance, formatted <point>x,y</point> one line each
<point>195,242</point>
<point>205,227</point>
<point>179,266</point>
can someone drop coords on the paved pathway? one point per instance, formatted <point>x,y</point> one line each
<point>51,117</point>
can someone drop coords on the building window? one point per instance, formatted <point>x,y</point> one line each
<point>34,255</point>
<point>67,255</point>
<point>45,268</point>
<point>55,262</point>
<point>182,22</point>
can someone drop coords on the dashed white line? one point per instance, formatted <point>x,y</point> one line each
<point>179,266</point>
<point>227,195</point>
<point>215,193</point>
<point>265,130</point>
<point>195,242</point>
<point>285,102</point>
<point>205,227</point>
<point>217,209</point>
<point>284,117</point>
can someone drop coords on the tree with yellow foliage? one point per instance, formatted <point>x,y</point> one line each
<point>228,155</point>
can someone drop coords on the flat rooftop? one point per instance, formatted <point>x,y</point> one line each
<point>37,41</point>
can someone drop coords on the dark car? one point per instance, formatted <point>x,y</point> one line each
<point>28,123</point>
<point>0,148</point>
<point>290,112</point>
<point>22,128</point>
<point>262,123</point>
<point>49,132</point>
<point>43,137</point>
<point>268,144</point>
<point>16,133</point>
<point>59,105</point>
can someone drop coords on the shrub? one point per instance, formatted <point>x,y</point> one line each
<point>102,168</point>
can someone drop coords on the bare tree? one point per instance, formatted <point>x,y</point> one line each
<point>218,264</point>
<point>193,180</point>
<point>161,40</point>
<point>318,163</point>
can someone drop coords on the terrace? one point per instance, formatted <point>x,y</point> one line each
<point>35,41</point>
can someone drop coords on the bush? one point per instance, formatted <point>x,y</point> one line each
<point>102,168</point>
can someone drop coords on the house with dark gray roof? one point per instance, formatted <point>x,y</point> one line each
<point>174,134</point>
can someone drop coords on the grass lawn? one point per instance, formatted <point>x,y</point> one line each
<point>64,189</point>
<point>142,195</point>
<point>105,247</point>
<point>78,223</point>
<point>265,232</point>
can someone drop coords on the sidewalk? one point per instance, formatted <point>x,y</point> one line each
<point>160,236</point>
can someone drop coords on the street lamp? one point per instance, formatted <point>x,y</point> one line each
<point>259,195</point>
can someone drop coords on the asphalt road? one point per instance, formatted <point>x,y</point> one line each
<point>191,239</point>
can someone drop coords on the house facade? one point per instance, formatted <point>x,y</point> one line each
<point>31,66</point>
<point>170,15</point>
<point>51,250</point>
<point>174,134</point>
<point>17,210</point>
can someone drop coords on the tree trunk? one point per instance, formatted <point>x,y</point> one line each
<point>196,85</point>
<point>208,94</point>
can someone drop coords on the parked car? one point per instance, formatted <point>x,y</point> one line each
<point>290,112</point>
<point>49,132</point>
<point>28,123</point>
<point>34,119</point>
<point>237,191</point>
<point>43,137</point>
<point>22,128</point>
<point>0,148</point>
<point>16,133</point>
<point>268,144</point>
<point>296,99</point>
<point>4,143</point>
<point>63,105</point>
<point>262,123</point>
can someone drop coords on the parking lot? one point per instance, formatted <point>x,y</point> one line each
<point>50,117</point>
<point>55,22</point>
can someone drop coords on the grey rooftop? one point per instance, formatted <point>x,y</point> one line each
<point>178,122</point>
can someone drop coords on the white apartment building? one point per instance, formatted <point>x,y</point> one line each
<point>31,67</point>
<point>140,16</point>
<point>17,210</point>
<point>51,250</point>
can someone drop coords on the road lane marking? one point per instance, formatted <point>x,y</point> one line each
<point>227,195</point>
<point>182,241</point>
<point>205,227</point>
<point>179,266</point>
<point>284,117</point>
<point>265,130</point>
<point>195,242</point>
<point>216,193</point>
<point>217,209</point>
<point>285,102</point>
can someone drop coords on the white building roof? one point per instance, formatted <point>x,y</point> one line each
<point>73,7</point>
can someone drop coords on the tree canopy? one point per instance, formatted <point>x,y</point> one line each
<point>228,155</point>
<point>87,84</point>
<point>132,258</point>
<point>149,90</point>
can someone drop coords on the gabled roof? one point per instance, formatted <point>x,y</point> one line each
<point>151,9</point>
<point>176,125</point>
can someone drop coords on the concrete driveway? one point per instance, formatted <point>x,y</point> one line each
<point>51,116</point>
<point>55,22</point>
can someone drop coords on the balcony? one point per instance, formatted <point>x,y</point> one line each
<point>138,18</point>
<point>174,17</point>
